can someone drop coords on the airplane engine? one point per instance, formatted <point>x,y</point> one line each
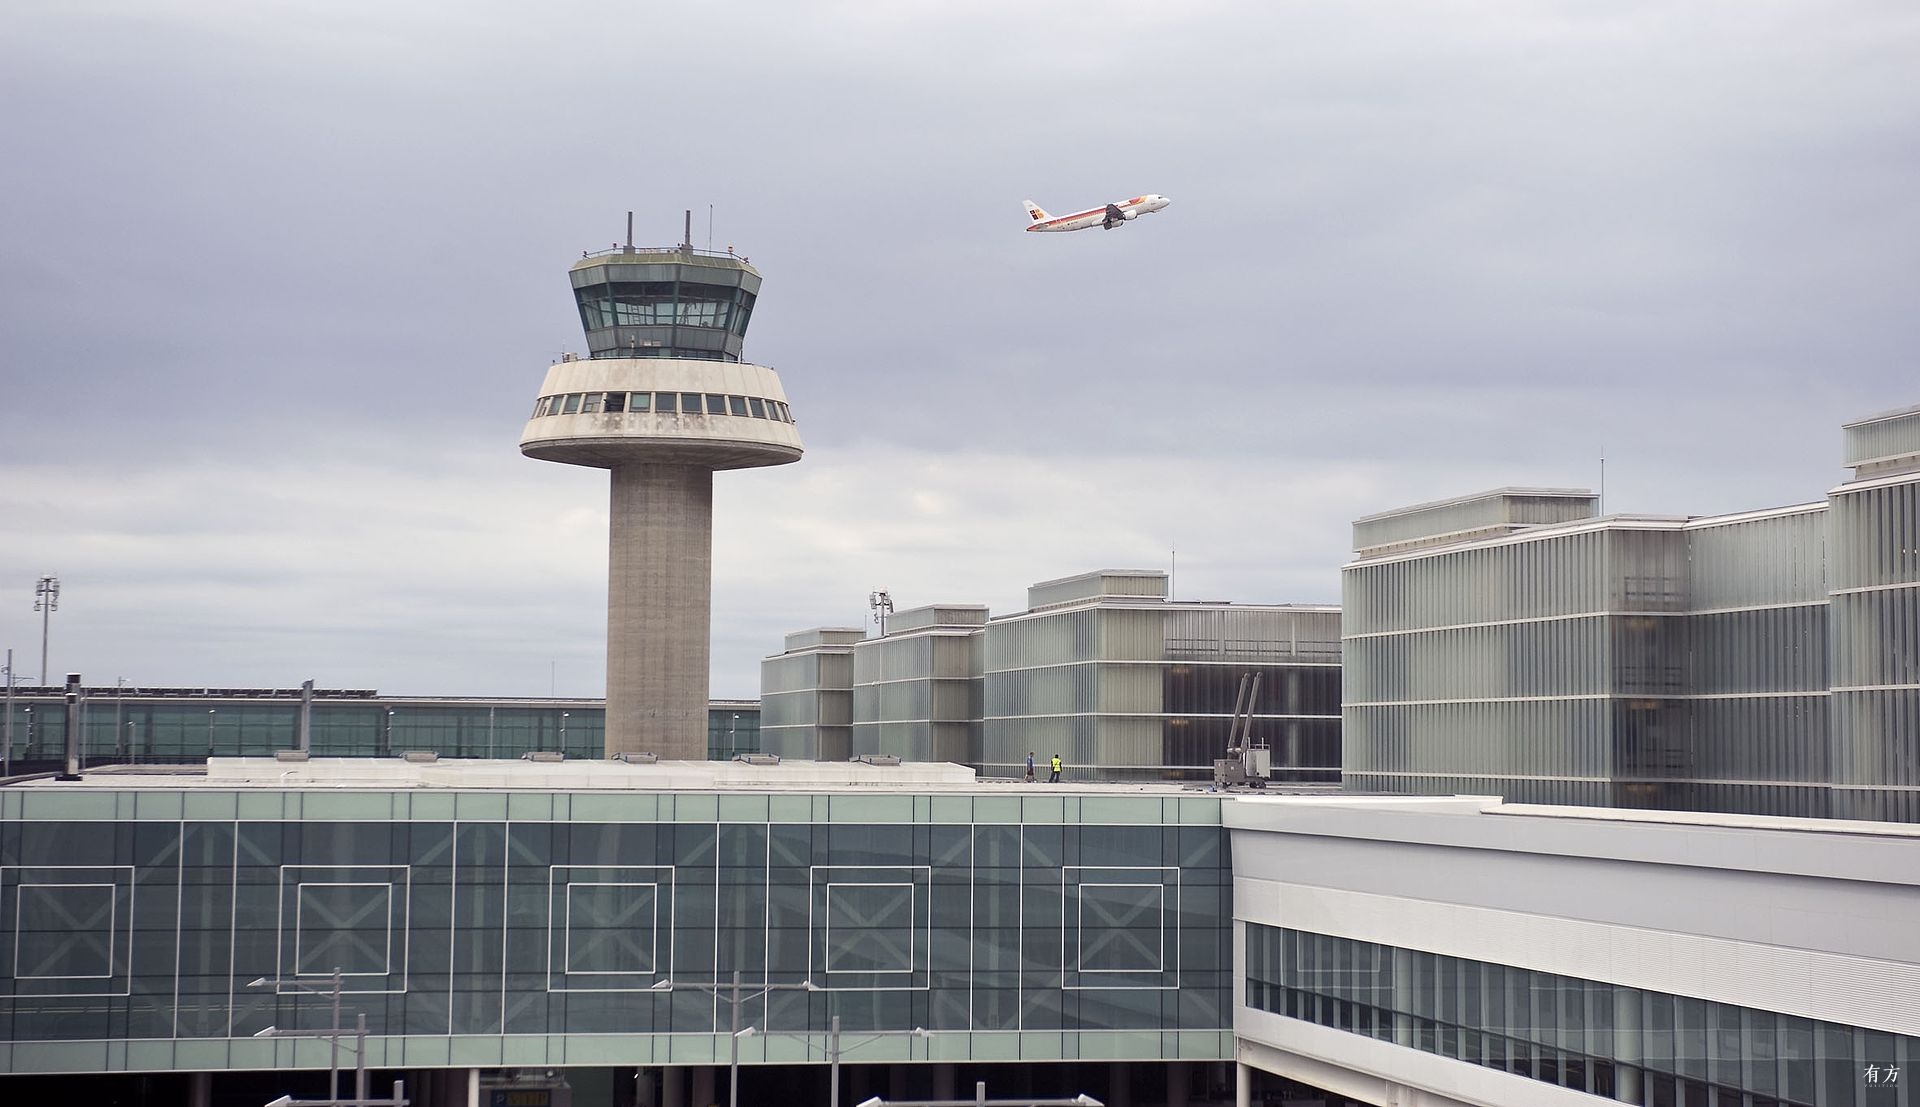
<point>1130,214</point>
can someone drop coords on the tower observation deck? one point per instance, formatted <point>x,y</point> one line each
<point>662,401</point>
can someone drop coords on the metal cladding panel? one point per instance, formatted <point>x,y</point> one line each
<point>942,615</point>
<point>1146,583</point>
<point>1501,509</point>
<point>1768,559</point>
<point>824,636</point>
<point>1891,440</point>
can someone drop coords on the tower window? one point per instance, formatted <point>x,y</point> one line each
<point>736,405</point>
<point>759,407</point>
<point>573,404</point>
<point>663,403</point>
<point>616,402</point>
<point>640,401</point>
<point>590,403</point>
<point>716,405</point>
<point>690,403</point>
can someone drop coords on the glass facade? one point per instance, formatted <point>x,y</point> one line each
<point>184,726</point>
<point>664,303</point>
<point>1541,665</point>
<point>917,691</point>
<point>1874,562</point>
<point>491,928</point>
<point>659,403</point>
<point>806,696</point>
<point>680,302</point>
<point>1630,1045</point>
<point>1102,669</point>
<point>1126,686</point>
<point>1762,663</point>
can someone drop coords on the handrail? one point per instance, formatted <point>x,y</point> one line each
<point>694,251</point>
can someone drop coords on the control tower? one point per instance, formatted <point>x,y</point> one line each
<point>662,401</point>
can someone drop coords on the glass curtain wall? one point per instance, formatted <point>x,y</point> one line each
<point>1146,691</point>
<point>1630,1045</point>
<point>1756,656</point>
<point>1489,664</point>
<point>806,703</point>
<point>1874,567</point>
<point>148,729</point>
<point>1045,916</point>
<point>917,696</point>
<point>1081,682</point>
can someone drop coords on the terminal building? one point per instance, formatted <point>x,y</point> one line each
<point>571,930</point>
<point>1102,668</point>
<point>124,724</point>
<point>1518,643</point>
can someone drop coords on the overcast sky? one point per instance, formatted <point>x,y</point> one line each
<point>279,281</point>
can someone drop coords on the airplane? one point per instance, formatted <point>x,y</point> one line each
<point>1107,218</point>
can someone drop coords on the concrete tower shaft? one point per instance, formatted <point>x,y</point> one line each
<point>663,402</point>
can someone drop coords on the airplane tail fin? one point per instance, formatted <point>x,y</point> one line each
<point>1035,212</point>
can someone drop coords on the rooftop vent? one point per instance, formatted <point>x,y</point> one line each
<point>290,755</point>
<point>421,757</point>
<point>877,759</point>
<point>637,758</point>
<point>543,755</point>
<point>757,758</point>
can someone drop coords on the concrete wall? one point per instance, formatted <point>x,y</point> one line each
<point>659,604</point>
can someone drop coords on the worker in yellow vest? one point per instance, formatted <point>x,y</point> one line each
<point>1055,778</point>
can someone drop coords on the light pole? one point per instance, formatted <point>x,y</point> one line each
<point>733,743</point>
<point>211,711</point>
<point>332,1034</point>
<point>6,757</point>
<point>980,1100</point>
<point>735,1031</point>
<point>564,716</point>
<point>333,987</point>
<point>834,1048</point>
<point>46,600</point>
<point>388,740</point>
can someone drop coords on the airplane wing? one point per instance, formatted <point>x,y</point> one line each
<point>1114,217</point>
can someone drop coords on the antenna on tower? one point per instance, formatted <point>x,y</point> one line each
<point>686,240</point>
<point>629,232</point>
<point>709,228</point>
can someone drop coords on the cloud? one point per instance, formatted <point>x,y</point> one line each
<point>277,288</point>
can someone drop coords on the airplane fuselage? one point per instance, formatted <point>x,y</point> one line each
<point>1109,216</point>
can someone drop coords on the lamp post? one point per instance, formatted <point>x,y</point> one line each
<point>564,716</point>
<point>735,1032</point>
<point>6,755</point>
<point>980,1100</point>
<point>210,714</point>
<point>333,987</point>
<point>834,1048</point>
<point>46,600</point>
<point>332,1034</point>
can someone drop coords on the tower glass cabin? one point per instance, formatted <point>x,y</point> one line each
<point>663,401</point>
